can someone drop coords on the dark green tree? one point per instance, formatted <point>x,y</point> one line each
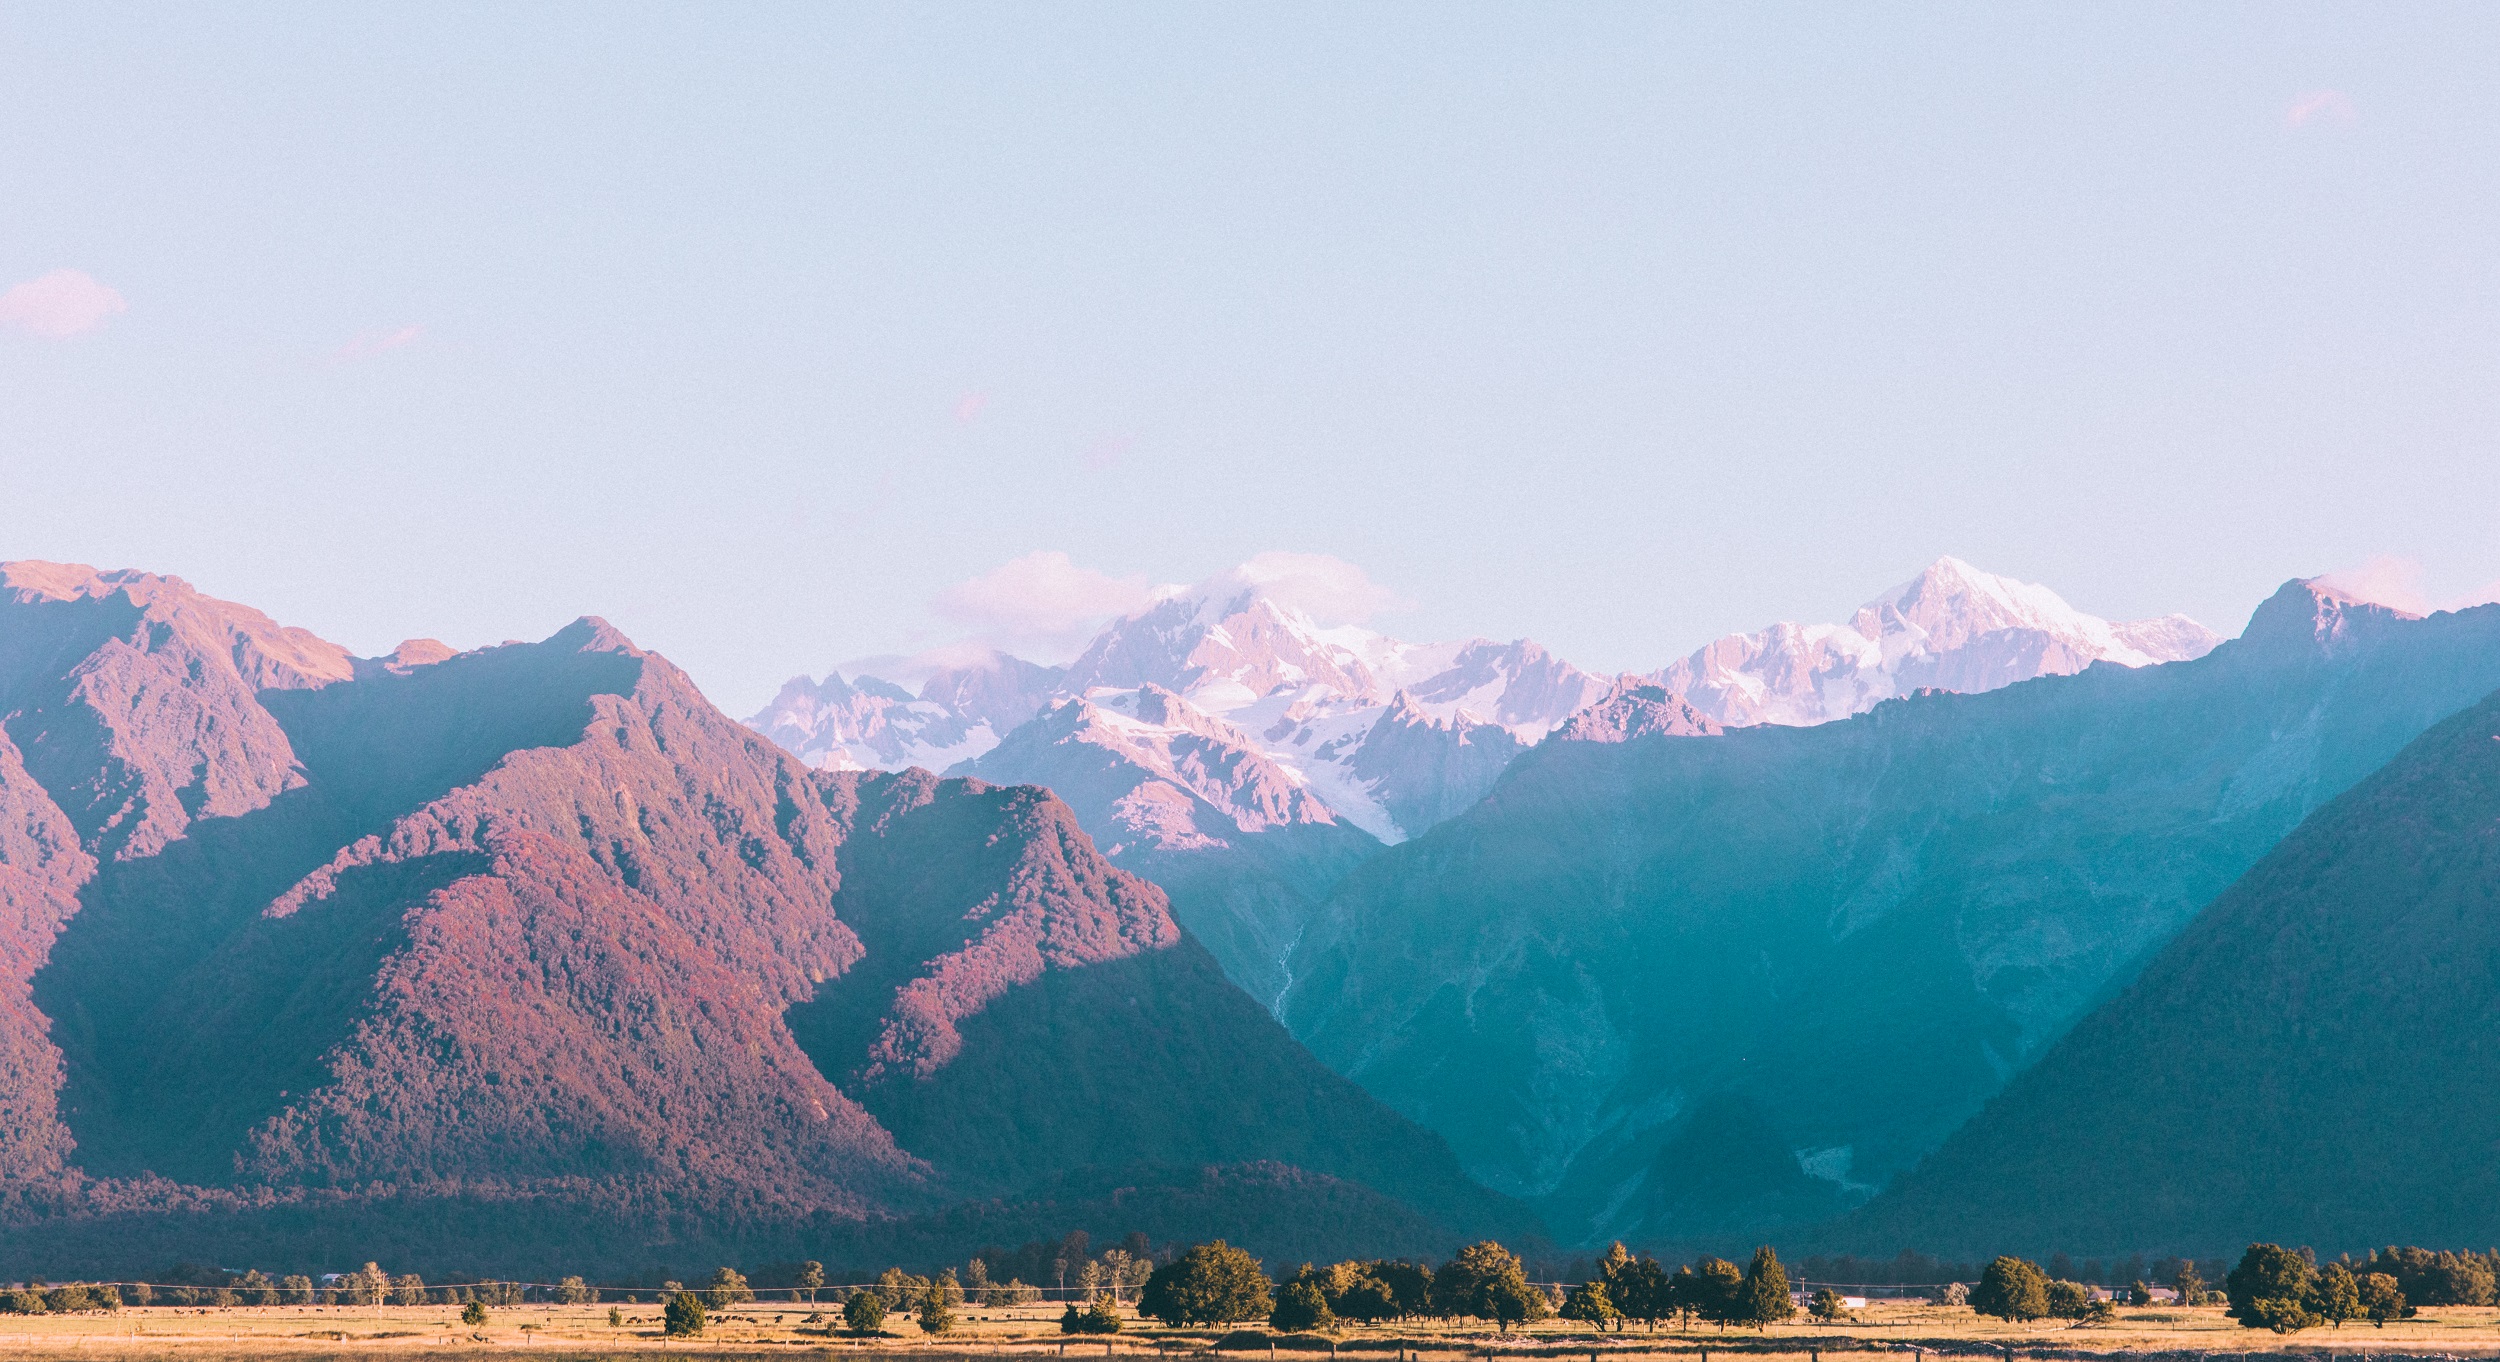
<point>1589,1304</point>
<point>2013,1290</point>
<point>864,1312</point>
<point>475,1313</point>
<point>682,1317</point>
<point>1826,1306</point>
<point>2336,1295</point>
<point>1410,1287</point>
<point>1486,1281</point>
<point>1300,1307</point>
<point>1711,1289</point>
<point>2139,1295</point>
<point>937,1309</point>
<point>1210,1284</point>
<point>728,1287</point>
<point>1641,1290</point>
<point>1763,1297</point>
<point>2189,1284</point>
<point>2068,1300</point>
<point>2381,1299</point>
<point>2270,1289</point>
<point>1357,1292</point>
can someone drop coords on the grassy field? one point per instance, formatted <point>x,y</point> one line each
<point>568,1332</point>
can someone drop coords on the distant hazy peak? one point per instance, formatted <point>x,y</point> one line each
<point>1951,627</point>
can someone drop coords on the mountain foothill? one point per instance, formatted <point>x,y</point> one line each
<point>1973,924</point>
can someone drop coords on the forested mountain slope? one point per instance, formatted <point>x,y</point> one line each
<point>537,927</point>
<point>1670,982</point>
<point>2314,1060</point>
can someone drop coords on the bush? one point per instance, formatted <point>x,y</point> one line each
<point>473,1313</point>
<point>2139,1294</point>
<point>2013,1290</point>
<point>1951,1293</point>
<point>864,1312</point>
<point>683,1315</point>
<point>1827,1306</point>
<point>1098,1318</point>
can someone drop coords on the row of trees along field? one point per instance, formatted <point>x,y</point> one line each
<point>2271,1288</point>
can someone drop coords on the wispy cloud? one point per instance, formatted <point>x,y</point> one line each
<point>1327,588</point>
<point>367,344</point>
<point>1043,600</point>
<point>60,304</point>
<point>2397,582</point>
<point>2319,106</point>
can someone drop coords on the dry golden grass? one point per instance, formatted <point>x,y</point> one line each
<point>564,1333</point>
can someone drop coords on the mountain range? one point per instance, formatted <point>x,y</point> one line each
<point>1670,980</point>
<point>1229,747</point>
<point>534,931</point>
<point>1932,930</point>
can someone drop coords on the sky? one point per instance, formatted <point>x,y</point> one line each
<point>785,334</point>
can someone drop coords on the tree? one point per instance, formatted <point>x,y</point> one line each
<point>1102,1318</point>
<point>728,1287</point>
<point>2381,1299</point>
<point>2189,1284</point>
<point>2013,1290</point>
<point>257,1288</point>
<point>409,1289</point>
<point>1300,1308</point>
<point>475,1313</point>
<point>976,1281</point>
<point>1764,1296</point>
<point>1709,1290</point>
<point>1212,1283</point>
<point>937,1309</point>
<point>811,1278</point>
<point>369,1284</point>
<point>864,1312</point>
<point>616,1318</point>
<point>1356,1291</point>
<point>1410,1286</point>
<point>1639,1288</point>
<point>2068,1300</point>
<point>682,1317</point>
<point>2336,1295</point>
<point>1589,1303</point>
<point>1486,1281</point>
<point>140,1293</point>
<point>1826,1306</point>
<point>2139,1295</point>
<point>2270,1289</point>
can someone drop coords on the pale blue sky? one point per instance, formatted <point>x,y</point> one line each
<point>756,327</point>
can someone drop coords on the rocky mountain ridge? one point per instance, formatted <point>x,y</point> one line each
<point>537,925</point>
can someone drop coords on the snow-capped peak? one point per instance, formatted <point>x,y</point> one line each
<point>1951,627</point>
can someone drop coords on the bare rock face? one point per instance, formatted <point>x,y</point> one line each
<point>1635,709</point>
